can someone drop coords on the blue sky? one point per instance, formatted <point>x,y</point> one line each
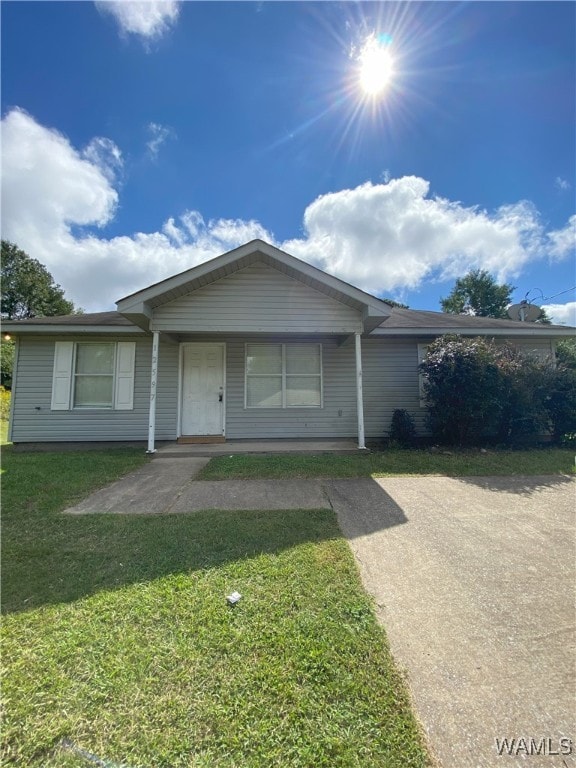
<point>142,138</point>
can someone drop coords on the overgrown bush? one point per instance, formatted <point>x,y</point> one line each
<point>561,402</point>
<point>4,404</point>
<point>462,389</point>
<point>402,429</point>
<point>525,384</point>
<point>566,353</point>
<point>476,390</point>
<point>568,440</point>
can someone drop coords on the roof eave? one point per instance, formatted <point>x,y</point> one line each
<point>438,331</point>
<point>15,329</point>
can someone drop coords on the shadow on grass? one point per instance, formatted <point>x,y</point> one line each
<point>64,559</point>
<point>50,558</point>
<point>520,485</point>
<point>57,558</point>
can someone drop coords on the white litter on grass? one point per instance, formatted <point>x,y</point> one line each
<point>233,598</point>
<point>103,763</point>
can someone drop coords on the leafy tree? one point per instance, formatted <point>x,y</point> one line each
<point>479,294</point>
<point>28,289</point>
<point>544,318</point>
<point>394,303</point>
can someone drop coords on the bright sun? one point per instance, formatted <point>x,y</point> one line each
<point>376,66</point>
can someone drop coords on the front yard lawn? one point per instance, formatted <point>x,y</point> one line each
<point>118,639</point>
<point>453,463</point>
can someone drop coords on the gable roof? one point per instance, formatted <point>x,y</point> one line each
<point>380,318</point>
<point>139,306</point>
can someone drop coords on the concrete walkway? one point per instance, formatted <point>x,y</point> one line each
<point>473,579</point>
<point>169,486</point>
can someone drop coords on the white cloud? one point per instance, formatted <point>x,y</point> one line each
<point>158,135</point>
<point>386,237</point>
<point>49,188</point>
<point>561,184</point>
<point>562,314</point>
<point>562,242</point>
<point>148,18</point>
<point>47,184</point>
<point>105,155</point>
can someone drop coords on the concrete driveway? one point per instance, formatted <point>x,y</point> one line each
<point>474,581</point>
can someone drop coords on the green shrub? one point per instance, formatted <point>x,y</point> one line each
<point>402,429</point>
<point>4,404</point>
<point>525,385</point>
<point>561,402</point>
<point>566,353</point>
<point>462,390</point>
<point>476,390</point>
<point>7,347</point>
<point>568,440</point>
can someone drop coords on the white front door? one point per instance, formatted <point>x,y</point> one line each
<point>202,404</point>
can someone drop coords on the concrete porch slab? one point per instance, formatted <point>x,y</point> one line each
<point>231,447</point>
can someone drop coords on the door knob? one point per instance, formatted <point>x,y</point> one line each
<point>220,397</point>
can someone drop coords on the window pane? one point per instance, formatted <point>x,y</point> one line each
<point>302,358</point>
<point>264,358</point>
<point>264,392</point>
<point>93,391</point>
<point>94,358</point>
<point>303,391</point>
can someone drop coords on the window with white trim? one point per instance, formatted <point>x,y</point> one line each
<point>283,376</point>
<point>93,375</point>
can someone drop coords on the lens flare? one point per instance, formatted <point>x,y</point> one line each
<point>376,64</point>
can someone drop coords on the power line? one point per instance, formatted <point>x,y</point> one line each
<point>547,298</point>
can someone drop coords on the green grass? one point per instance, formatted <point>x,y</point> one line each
<point>3,432</point>
<point>545,461</point>
<point>117,635</point>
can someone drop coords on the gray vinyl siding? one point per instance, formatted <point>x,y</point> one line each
<point>34,421</point>
<point>390,372</point>
<point>166,392</point>
<point>257,299</point>
<point>390,381</point>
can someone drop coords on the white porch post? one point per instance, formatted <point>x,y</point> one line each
<point>153,383</point>
<point>359,397</point>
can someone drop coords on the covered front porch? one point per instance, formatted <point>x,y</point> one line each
<point>256,345</point>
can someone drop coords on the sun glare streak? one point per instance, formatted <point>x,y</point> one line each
<point>376,65</point>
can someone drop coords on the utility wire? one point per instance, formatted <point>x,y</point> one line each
<point>547,298</point>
